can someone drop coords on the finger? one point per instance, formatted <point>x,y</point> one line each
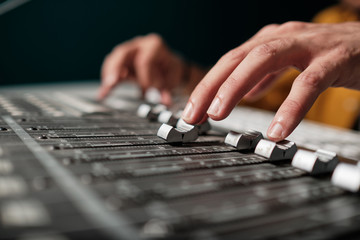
<point>305,89</point>
<point>110,82</point>
<point>115,68</point>
<point>144,71</point>
<point>103,91</point>
<point>262,60</point>
<point>146,61</point>
<point>205,91</point>
<point>105,88</point>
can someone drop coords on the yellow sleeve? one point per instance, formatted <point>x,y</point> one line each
<point>336,14</point>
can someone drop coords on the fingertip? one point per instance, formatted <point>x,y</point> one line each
<point>214,109</point>
<point>276,131</point>
<point>187,114</point>
<point>218,110</point>
<point>107,83</point>
<point>190,115</point>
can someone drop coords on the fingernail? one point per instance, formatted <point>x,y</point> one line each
<point>276,131</point>
<point>214,107</point>
<point>187,113</point>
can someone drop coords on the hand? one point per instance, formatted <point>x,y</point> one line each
<point>327,54</point>
<point>146,60</point>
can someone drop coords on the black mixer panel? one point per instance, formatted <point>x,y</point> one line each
<point>87,171</point>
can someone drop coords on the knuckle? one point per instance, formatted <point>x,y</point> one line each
<point>293,25</point>
<point>269,27</point>
<point>311,79</point>
<point>155,39</point>
<point>343,52</point>
<point>271,48</point>
<point>265,49</point>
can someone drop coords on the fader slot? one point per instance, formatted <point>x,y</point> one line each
<point>233,205</point>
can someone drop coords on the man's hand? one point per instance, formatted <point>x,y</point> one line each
<point>327,54</point>
<point>146,60</point>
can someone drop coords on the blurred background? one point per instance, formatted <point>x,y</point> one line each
<point>50,41</point>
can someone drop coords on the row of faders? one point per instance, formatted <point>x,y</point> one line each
<point>345,175</point>
<point>175,130</point>
<point>253,140</point>
<point>318,162</point>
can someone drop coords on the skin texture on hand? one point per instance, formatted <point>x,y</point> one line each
<point>328,55</point>
<point>146,60</point>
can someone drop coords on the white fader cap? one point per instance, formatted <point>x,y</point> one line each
<point>243,141</point>
<point>143,110</point>
<point>169,133</point>
<point>151,113</point>
<point>318,162</point>
<point>185,133</point>
<point>202,128</point>
<point>347,176</point>
<point>189,132</point>
<point>276,151</point>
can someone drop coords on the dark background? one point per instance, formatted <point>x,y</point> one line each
<point>66,40</point>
